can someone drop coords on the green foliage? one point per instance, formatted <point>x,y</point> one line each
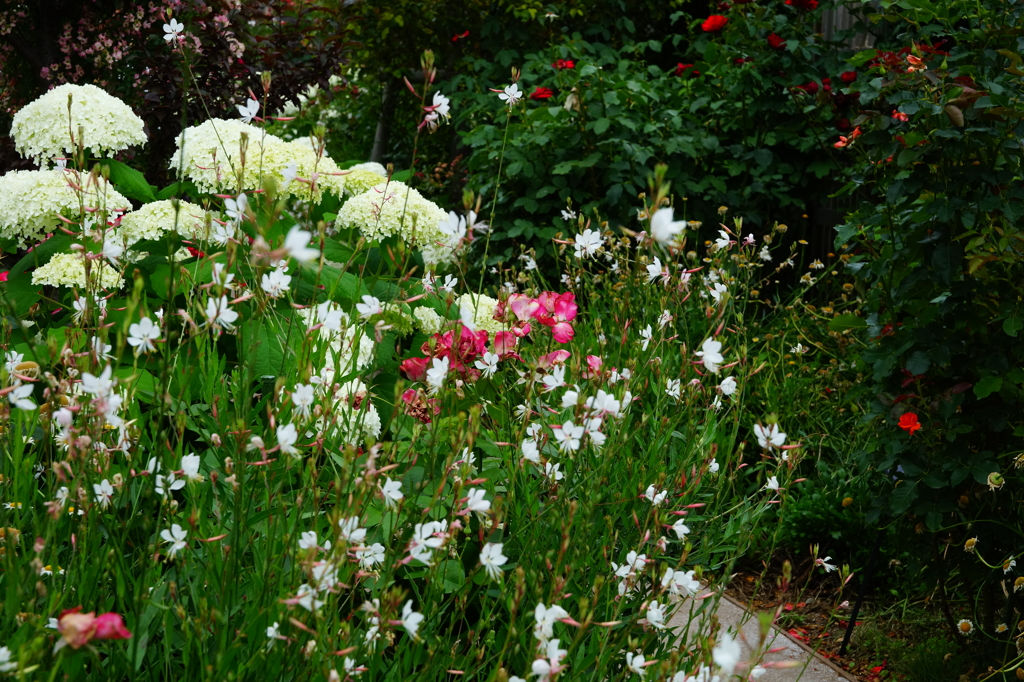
<point>937,245</point>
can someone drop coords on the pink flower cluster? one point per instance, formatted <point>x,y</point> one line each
<point>78,629</point>
<point>550,309</point>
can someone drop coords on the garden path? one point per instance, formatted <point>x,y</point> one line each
<point>810,667</point>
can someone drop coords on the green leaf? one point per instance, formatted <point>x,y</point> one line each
<point>987,386</point>
<point>862,57</point>
<point>601,125</point>
<point>40,255</point>
<point>918,363</point>
<point>129,181</point>
<point>453,577</point>
<point>20,294</point>
<point>262,345</point>
<point>178,189</point>
<point>848,321</point>
<point>1012,325</point>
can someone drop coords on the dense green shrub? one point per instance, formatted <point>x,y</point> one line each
<point>938,248</point>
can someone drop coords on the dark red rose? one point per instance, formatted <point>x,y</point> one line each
<point>541,93</point>
<point>843,125</point>
<point>775,41</point>
<point>564,64</point>
<point>848,77</point>
<point>681,69</point>
<point>803,5</point>
<point>810,88</point>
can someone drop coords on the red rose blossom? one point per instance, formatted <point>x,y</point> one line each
<point>909,423</point>
<point>541,93</point>
<point>848,77</point>
<point>775,41</point>
<point>803,5</point>
<point>683,68</point>
<point>564,64</point>
<point>810,88</point>
<point>714,23</point>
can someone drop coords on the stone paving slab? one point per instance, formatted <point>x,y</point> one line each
<point>735,618</point>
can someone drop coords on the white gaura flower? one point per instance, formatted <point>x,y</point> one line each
<point>488,365</point>
<point>142,334</point>
<point>770,436</point>
<point>604,404</point>
<point>369,307</point>
<point>673,388</point>
<point>568,436</point>
<point>297,245</point>
<point>713,467</point>
<point>663,228</point>
<point>372,555</point>
<point>19,397</point>
<point>568,215</point>
<point>645,337</point>
<point>635,662</point>
<point>175,537</point>
<point>167,484</point>
<point>306,597</point>
<point>710,353</point>
<point>681,583</point>
<point>554,379</point>
<point>656,270</point>
<point>219,312</point>
<point>544,620</point>
<point>275,283</point>
<point>772,484</point>
<point>727,653</point>
<point>665,318</point>
<point>436,374</point>
<point>728,386</point>
<point>302,399</point>
<point>653,496</point>
<point>587,243</point>
<point>392,491</point>
<point>718,291</point>
<point>350,531</point>
<point>764,255</point>
<point>492,559</point>
<point>510,95</point>
<point>307,539</point>
<point>680,529</point>
<point>100,349</point>
<point>190,467</point>
<point>172,30</point>
<point>411,619</point>
<point>237,207</point>
<point>287,435</point>
<point>570,398</point>
<point>98,386</point>
<point>552,473</point>
<point>112,251</point>
<point>656,615</point>
<point>531,453</point>
<point>441,105</point>
<point>824,564</point>
<point>248,111</point>
<point>723,240</point>
<point>104,492</point>
<point>476,502</point>
<point>12,359</point>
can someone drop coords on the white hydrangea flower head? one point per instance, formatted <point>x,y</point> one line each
<point>396,209</point>
<point>482,308</point>
<point>30,201</point>
<point>154,219</point>
<point>68,270</point>
<point>278,154</point>
<point>42,130</point>
<point>209,155</point>
<point>358,180</point>
<point>428,321</point>
<point>371,166</point>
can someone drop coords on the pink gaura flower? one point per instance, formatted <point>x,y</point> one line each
<point>555,358</point>
<point>78,629</point>
<point>559,310</point>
